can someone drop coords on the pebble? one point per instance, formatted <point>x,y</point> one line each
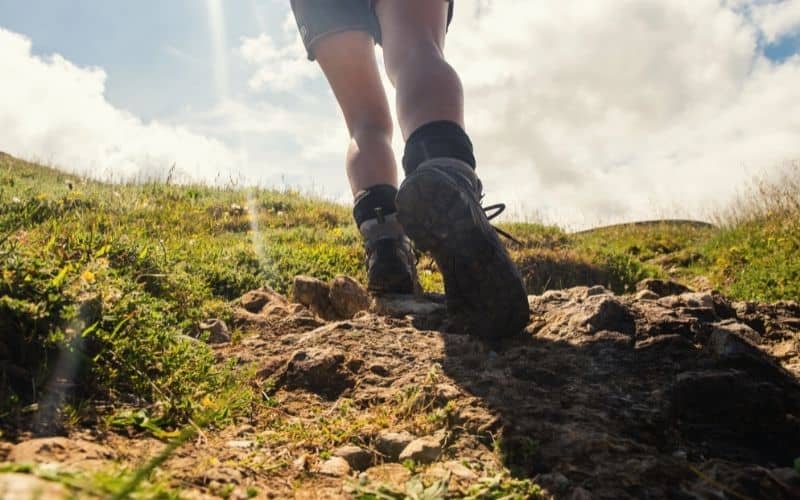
<point>335,466</point>
<point>392,444</point>
<point>358,458</point>
<point>424,450</point>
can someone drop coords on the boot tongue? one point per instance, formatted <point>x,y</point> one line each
<point>381,227</point>
<point>459,170</point>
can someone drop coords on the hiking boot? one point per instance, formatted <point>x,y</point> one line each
<point>391,263</point>
<point>439,208</point>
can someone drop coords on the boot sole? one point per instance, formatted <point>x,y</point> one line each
<point>484,290</point>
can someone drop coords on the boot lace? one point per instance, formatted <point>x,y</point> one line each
<point>494,211</point>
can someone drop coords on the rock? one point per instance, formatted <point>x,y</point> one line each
<point>460,471</point>
<point>423,450</point>
<point>726,342</point>
<point>690,299</point>
<point>15,486</point>
<point>60,450</point>
<point>319,370</point>
<point>447,392</point>
<point>596,290</point>
<point>358,458</point>
<point>398,306</point>
<point>393,475</point>
<point>255,300</point>
<point>476,420</point>
<point>314,294</point>
<point>222,475</point>
<point>335,466</point>
<point>604,313</point>
<point>697,299</point>
<point>662,288</point>
<point>392,444</point>
<point>241,444</point>
<point>554,296</point>
<point>217,331</point>
<point>301,462</point>
<point>785,349</point>
<point>580,494</point>
<point>379,370</point>
<point>244,430</point>
<point>303,319</point>
<point>740,330</point>
<point>554,481</point>
<point>348,297</point>
<point>726,401</point>
<point>646,295</point>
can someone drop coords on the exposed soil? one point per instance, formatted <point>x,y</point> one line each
<point>665,393</point>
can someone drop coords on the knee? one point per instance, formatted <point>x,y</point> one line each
<point>372,130</point>
<point>421,55</point>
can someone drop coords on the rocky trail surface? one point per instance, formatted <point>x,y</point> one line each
<point>666,393</point>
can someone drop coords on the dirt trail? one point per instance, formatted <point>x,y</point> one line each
<point>665,393</point>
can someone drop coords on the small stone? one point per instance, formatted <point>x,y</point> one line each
<point>646,295</point>
<point>596,290</point>
<point>358,458</point>
<point>662,288</point>
<point>698,299</point>
<point>393,475</point>
<point>335,466</point>
<point>460,470</point>
<point>379,370</point>
<point>318,370</point>
<point>680,454</point>
<point>604,313</point>
<point>447,392</point>
<point>255,300</point>
<point>580,494</point>
<point>218,331</point>
<point>242,444</point>
<point>726,342</point>
<point>245,429</point>
<point>424,450</point>
<point>553,481</point>
<point>314,294</point>
<point>392,444</point>
<point>728,401</point>
<point>29,487</point>
<point>58,449</point>
<point>785,349</point>
<point>222,475</point>
<point>301,462</point>
<point>348,297</point>
<point>554,296</point>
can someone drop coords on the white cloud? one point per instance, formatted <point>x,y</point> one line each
<point>56,112</point>
<point>594,111</point>
<point>600,111</point>
<point>280,67</point>
<point>584,111</point>
<point>778,18</point>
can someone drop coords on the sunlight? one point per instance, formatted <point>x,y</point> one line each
<point>216,24</point>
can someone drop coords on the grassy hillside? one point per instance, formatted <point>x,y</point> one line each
<point>106,283</point>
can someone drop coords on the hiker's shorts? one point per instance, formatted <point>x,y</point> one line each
<point>319,18</point>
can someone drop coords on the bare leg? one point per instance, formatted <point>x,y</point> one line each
<point>348,61</point>
<point>428,88</point>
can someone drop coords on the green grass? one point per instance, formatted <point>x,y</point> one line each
<point>110,279</point>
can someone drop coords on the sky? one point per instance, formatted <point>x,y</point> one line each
<point>582,112</point>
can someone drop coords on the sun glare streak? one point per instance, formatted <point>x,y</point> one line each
<point>216,25</point>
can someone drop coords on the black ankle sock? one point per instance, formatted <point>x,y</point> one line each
<point>374,202</point>
<point>442,139</point>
